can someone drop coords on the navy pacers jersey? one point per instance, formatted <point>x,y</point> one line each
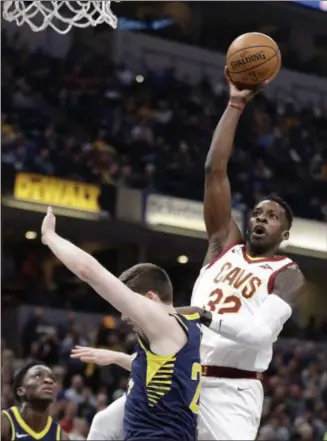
<point>163,395</point>
<point>22,432</point>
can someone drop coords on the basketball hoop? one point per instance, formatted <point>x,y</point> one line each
<point>61,16</point>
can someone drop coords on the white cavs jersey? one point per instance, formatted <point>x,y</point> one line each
<point>235,284</point>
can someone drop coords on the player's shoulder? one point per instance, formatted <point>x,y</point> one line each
<point>188,319</point>
<point>191,323</point>
<point>7,414</point>
<point>5,425</point>
<point>290,270</point>
<point>283,264</point>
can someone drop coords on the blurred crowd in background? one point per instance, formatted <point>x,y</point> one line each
<point>85,119</point>
<point>295,406</point>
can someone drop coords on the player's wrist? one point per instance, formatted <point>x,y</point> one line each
<point>236,104</point>
<point>206,317</point>
<point>46,236</point>
<point>123,360</point>
<point>216,323</point>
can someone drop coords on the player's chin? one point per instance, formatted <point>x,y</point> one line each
<point>259,241</point>
<point>47,396</point>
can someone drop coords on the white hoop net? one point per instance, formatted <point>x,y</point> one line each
<point>62,16</point>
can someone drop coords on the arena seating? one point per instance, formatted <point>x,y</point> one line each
<point>88,120</point>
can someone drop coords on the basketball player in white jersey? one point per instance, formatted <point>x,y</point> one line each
<point>249,288</point>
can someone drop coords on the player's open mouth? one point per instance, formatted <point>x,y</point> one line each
<point>259,230</point>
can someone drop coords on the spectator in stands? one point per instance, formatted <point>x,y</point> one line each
<point>76,391</point>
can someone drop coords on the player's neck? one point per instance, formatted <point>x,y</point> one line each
<point>35,417</point>
<point>169,308</point>
<point>253,252</point>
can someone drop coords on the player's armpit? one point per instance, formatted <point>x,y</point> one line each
<point>289,285</point>
<point>259,329</point>
<point>5,428</point>
<point>216,245</point>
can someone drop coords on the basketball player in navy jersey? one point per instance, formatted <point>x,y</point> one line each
<point>164,387</point>
<point>34,391</point>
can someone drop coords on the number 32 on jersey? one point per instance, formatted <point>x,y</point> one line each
<point>220,304</point>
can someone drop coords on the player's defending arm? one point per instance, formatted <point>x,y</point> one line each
<point>102,357</point>
<point>221,228</point>
<point>149,316</point>
<point>264,326</point>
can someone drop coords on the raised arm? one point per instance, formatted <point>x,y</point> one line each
<point>221,228</point>
<point>148,315</point>
<point>102,357</point>
<point>217,192</point>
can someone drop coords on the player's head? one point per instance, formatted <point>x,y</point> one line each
<point>149,280</point>
<point>35,384</point>
<point>269,224</point>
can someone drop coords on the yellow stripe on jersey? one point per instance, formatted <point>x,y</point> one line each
<point>58,433</point>
<point>156,365</point>
<point>160,368</point>
<point>27,428</point>
<point>159,374</point>
<point>254,258</point>
<point>13,432</point>
<point>195,316</point>
<point>180,321</point>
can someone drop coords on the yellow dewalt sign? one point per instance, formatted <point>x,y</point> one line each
<point>54,191</point>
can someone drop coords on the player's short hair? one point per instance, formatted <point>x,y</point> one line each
<point>146,277</point>
<point>284,205</point>
<point>20,375</point>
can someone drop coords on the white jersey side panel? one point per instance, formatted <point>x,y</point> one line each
<point>235,284</point>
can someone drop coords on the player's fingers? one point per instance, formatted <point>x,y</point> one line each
<point>81,351</point>
<point>79,354</point>
<point>88,359</point>
<point>75,355</point>
<point>82,357</point>
<point>261,86</point>
<point>226,75</point>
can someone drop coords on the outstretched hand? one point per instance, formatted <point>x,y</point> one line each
<point>101,357</point>
<point>48,225</point>
<point>237,96</point>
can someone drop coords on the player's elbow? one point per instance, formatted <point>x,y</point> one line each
<point>258,336</point>
<point>218,169</point>
<point>87,270</point>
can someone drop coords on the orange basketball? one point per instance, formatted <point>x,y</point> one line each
<point>253,58</point>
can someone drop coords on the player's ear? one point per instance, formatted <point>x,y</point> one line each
<point>21,391</point>
<point>285,235</point>
<point>152,296</point>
